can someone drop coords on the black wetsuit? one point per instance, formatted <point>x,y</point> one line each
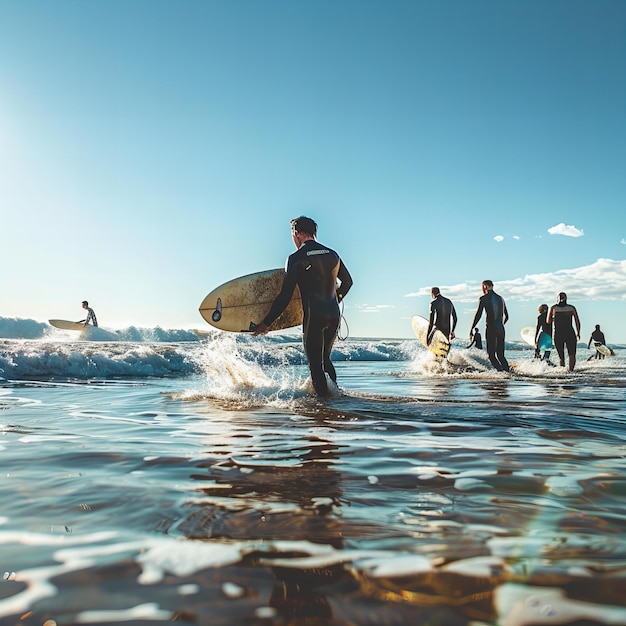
<point>597,336</point>
<point>497,316</point>
<point>441,310</point>
<point>564,333</point>
<point>315,269</point>
<point>477,341</point>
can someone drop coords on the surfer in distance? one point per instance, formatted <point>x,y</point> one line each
<point>91,316</point>
<point>597,337</point>
<point>476,340</point>
<point>496,317</point>
<point>542,326</point>
<point>561,315</point>
<point>442,313</point>
<point>315,268</point>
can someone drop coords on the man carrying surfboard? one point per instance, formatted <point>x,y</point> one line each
<point>562,314</point>
<point>497,316</point>
<point>597,337</point>
<point>91,316</point>
<point>442,311</point>
<point>314,268</point>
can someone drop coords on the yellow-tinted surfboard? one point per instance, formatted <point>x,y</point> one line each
<point>239,304</point>
<point>439,344</point>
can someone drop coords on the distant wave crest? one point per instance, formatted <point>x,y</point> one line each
<point>31,350</point>
<point>17,328</point>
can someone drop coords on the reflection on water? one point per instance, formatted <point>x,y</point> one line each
<point>417,498</point>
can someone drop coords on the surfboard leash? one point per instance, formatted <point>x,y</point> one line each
<point>342,320</point>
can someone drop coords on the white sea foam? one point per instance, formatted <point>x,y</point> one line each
<point>521,605</point>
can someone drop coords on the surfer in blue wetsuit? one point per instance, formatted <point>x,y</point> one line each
<point>91,316</point>
<point>497,316</point>
<point>442,313</point>
<point>315,268</point>
<point>542,326</point>
<point>562,314</point>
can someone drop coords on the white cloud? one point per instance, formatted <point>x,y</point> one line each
<point>603,280</point>
<point>500,238</point>
<point>623,241</point>
<point>567,231</point>
<point>375,308</point>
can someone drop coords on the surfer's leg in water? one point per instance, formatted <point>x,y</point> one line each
<point>330,332</point>
<point>492,348</point>
<point>570,343</point>
<point>504,364</point>
<point>559,344</point>
<point>313,339</point>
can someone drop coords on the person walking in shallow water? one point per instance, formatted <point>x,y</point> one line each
<point>315,268</point>
<point>598,339</point>
<point>561,315</point>
<point>497,316</point>
<point>442,315</point>
<point>476,340</point>
<point>542,326</point>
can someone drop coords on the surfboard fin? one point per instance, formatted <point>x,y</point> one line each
<point>217,314</point>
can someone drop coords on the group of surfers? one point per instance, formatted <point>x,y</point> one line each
<point>324,281</point>
<point>556,321</point>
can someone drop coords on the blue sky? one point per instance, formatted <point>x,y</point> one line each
<point>151,150</point>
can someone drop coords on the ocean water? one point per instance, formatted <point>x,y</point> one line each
<point>153,476</point>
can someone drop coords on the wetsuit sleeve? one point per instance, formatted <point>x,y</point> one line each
<point>454,318</point>
<point>346,281</point>
<point>284,297</point>
<point>505,311</point>
<point>576,322</point>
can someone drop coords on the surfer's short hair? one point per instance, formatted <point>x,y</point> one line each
<point>435,291</point>
<point>304,224</point>
<point>543,308</point>
<point>562,297</point>
<point>488,283</point>
<point>85,302</point>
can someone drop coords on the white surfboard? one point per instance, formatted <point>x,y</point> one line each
<point>439,344</point>
<point>605,350</point>
<point>67,325</point>
<point>241,303</point>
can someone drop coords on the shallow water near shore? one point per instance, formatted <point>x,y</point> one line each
<point>198,482</point>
